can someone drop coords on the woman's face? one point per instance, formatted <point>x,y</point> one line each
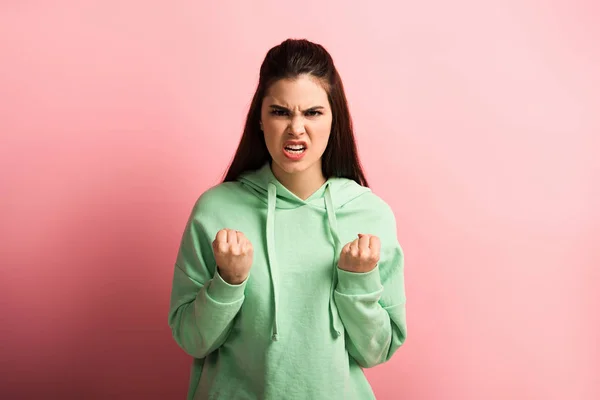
<point>296,121</point>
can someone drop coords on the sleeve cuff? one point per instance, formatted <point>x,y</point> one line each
<point>353,283</point>
<point>222,292</point>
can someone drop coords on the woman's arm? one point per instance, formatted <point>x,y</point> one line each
<point>372,304</point>
<point>203,305</point>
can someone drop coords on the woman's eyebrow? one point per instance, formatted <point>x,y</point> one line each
<point>314,108</point>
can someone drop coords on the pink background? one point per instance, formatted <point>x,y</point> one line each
<point>479,125</point>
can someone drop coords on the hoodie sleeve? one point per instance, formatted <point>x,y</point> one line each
<point>203,305</point>
<point>372,304</point>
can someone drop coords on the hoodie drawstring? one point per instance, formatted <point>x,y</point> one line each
<point>333,227</point>
<point>271,251</point>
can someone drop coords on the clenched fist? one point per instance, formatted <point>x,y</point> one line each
<point>233,254</point>
<point>360,255</point>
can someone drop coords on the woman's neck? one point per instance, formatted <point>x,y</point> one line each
<point>303,184</point>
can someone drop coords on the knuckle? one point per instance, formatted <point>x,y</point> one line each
<point>223,247</point>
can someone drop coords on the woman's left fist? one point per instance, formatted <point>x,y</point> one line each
<point>360,255</point>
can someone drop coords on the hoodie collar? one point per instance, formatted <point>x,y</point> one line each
<point>258,181</point>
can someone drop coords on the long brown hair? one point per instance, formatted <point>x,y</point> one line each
<point>288,60</point>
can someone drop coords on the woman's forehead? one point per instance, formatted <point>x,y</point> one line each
<point>302,92</point>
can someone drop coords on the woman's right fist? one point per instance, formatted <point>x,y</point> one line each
<point>233,254</point>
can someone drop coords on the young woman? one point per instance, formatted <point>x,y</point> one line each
<point>289,279</point>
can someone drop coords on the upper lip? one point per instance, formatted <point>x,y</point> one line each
<point>295,143</point>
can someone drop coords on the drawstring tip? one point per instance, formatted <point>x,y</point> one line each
<point>338,333</point>
<point>275,337</point>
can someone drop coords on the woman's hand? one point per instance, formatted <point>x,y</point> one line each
<point>360,255</point>
<point>234,255</point>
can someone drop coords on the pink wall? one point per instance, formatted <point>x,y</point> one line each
<point>478,123</point>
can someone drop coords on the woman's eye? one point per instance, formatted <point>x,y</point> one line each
<point>313,113</point>
<point>283,113</point>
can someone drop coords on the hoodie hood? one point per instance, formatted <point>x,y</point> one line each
<point>335,193</point>
<point>344,190</point>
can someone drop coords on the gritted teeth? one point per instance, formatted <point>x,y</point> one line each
<point>295,147</point>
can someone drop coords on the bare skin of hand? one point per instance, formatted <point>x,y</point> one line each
<point>360,255</point>
<point>233,254</point>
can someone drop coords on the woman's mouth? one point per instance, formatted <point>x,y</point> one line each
<point>294,151</point>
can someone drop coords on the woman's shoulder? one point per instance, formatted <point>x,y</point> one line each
<point>218,197</point>
<point>372,203</point>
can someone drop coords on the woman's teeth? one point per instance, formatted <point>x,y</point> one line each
<point>295,149</point>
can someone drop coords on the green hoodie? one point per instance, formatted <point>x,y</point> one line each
<point>298,327</point>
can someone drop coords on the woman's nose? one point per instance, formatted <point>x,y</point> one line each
<point>296,127</point>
